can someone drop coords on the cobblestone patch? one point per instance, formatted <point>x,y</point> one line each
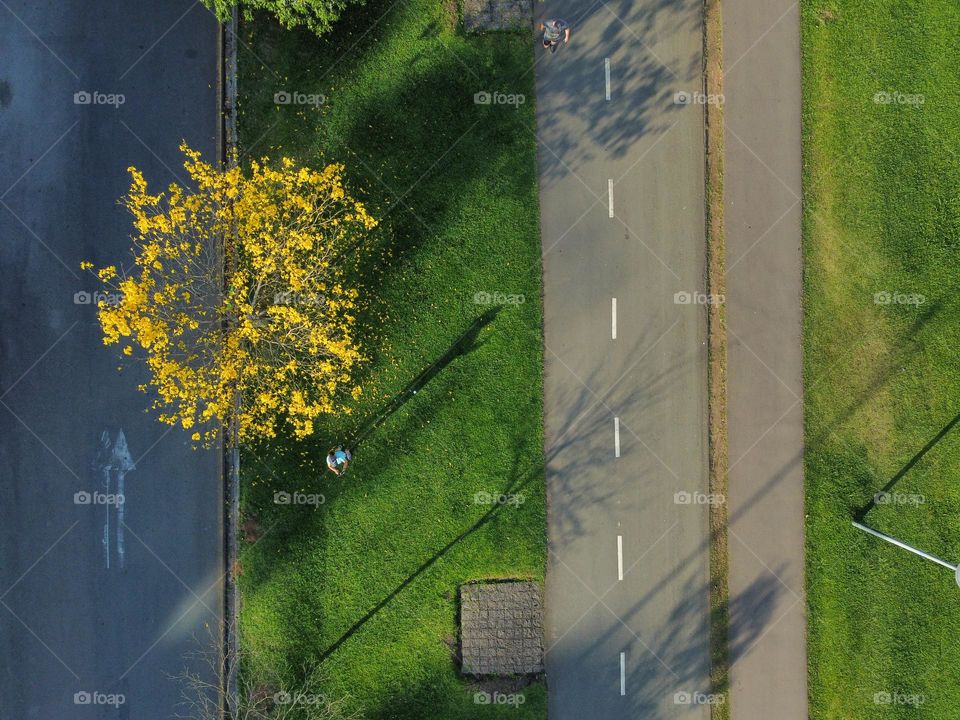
<point>501,628</point>
<point>481,15</point>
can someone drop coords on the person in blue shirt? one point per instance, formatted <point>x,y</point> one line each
<point>553,31</point>
<point>338,459</point>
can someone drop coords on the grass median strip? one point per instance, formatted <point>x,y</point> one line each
<point>716,321</point>
<point>359,574</point>
<point>882,324</point>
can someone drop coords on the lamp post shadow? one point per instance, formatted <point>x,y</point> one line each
<point>872,503</point>
<point>466,343</point>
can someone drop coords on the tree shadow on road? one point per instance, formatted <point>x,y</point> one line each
<point>671,658</point>
<point>579,441</point>
<point>645,78</point>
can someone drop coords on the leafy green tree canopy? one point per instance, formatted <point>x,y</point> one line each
<point>318,15</point>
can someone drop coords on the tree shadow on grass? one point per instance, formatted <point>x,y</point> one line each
<point>309,628</point>
<point>517,481</point>
<point>299,530</point>
<point>293,466</point>
<point>416,148</point>
<point>816,440</point>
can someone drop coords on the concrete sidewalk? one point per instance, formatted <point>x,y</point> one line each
<point>764,289</point>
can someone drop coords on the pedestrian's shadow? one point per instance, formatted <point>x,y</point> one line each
<point>466,343</point>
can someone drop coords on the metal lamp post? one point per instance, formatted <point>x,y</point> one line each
<point>910,548</point>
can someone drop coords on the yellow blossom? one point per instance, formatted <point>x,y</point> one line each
<point>280,335</point>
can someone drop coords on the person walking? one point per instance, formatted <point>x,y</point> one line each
<point>338,459</point>
<point>553,31</point>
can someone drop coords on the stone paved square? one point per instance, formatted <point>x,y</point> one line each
<point>501,628</point>
<point>481,15</point>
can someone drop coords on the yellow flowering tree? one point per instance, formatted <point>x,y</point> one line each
<point>236,296</point>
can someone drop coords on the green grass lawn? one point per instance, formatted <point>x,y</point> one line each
<point>882,215</point>
<point>365,585</point>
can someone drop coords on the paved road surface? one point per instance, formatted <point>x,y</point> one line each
<point>68,623</point>
<point>762,185</point>
<point>625,416</point>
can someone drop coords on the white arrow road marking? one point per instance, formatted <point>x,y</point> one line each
<point>113,456</point>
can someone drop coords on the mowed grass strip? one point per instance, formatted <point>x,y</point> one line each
<point>882,328</point>
<point>365,584</point>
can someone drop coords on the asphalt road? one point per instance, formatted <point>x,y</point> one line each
<point>93,602</point>
<point>762,214</point>
<point>622,214</point>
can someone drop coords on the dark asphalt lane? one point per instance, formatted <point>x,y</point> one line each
<point>88,605</point>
